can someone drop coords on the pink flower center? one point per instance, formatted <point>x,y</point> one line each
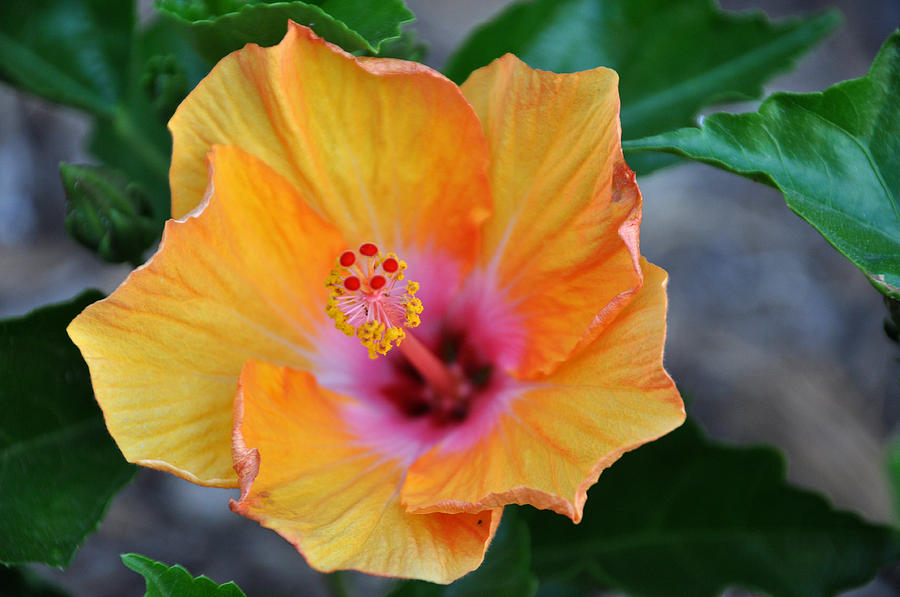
<point>448,379</point>
<point>437,381</point>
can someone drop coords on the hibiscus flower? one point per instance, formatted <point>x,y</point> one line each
<point>387,306</point>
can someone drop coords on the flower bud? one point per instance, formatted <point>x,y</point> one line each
<point>106,213</point>
<point>165,83</point>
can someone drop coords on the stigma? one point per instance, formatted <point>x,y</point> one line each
<point>369,299</point>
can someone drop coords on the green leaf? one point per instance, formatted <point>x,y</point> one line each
<point>660,48</point>
<point>505,572</point>
<point>59,468</point>
<point>835,155</point>
<point>175,581</point>
<point>222,26</point>
<point>20,582</point>
<point>106,213</point>
<point>75,52</point>
<point>134,138</point>
<point>684,516</point>
<point>406,47</point>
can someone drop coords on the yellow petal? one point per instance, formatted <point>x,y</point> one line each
<point>563,240</point>
<point>388,151</point>
<point>558,435</point>
<point>306,475</point>
<point>243,278</point>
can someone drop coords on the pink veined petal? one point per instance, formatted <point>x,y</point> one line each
<point>305,475</point>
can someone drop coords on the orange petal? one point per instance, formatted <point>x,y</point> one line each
<point>563,240</point>
<point>242,278</point>
<point>387,151</point>
<point>307,476</point>
<point>558,435</point>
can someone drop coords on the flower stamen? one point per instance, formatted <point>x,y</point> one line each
<point>367,299</point>
<point>347,258</point>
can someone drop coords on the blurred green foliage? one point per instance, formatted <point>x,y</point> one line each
<point>685,516</point>
<point>75,52</point>
<point>59,468</point>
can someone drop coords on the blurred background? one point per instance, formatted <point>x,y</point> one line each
<point>773,336</point>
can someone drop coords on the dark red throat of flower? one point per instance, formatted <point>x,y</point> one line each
<point>442,401</point>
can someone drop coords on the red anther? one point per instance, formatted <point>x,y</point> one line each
<point>351,283</point>
<point>368,249</point>
<point>390,265</point>
<point>377,282</point>
<point>347,258</point>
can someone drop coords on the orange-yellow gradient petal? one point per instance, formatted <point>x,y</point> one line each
<point>305,475</point>
<point>557,437</point>
<point>241,279</point>
<point>563,239</point>
<point>387,153</point>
